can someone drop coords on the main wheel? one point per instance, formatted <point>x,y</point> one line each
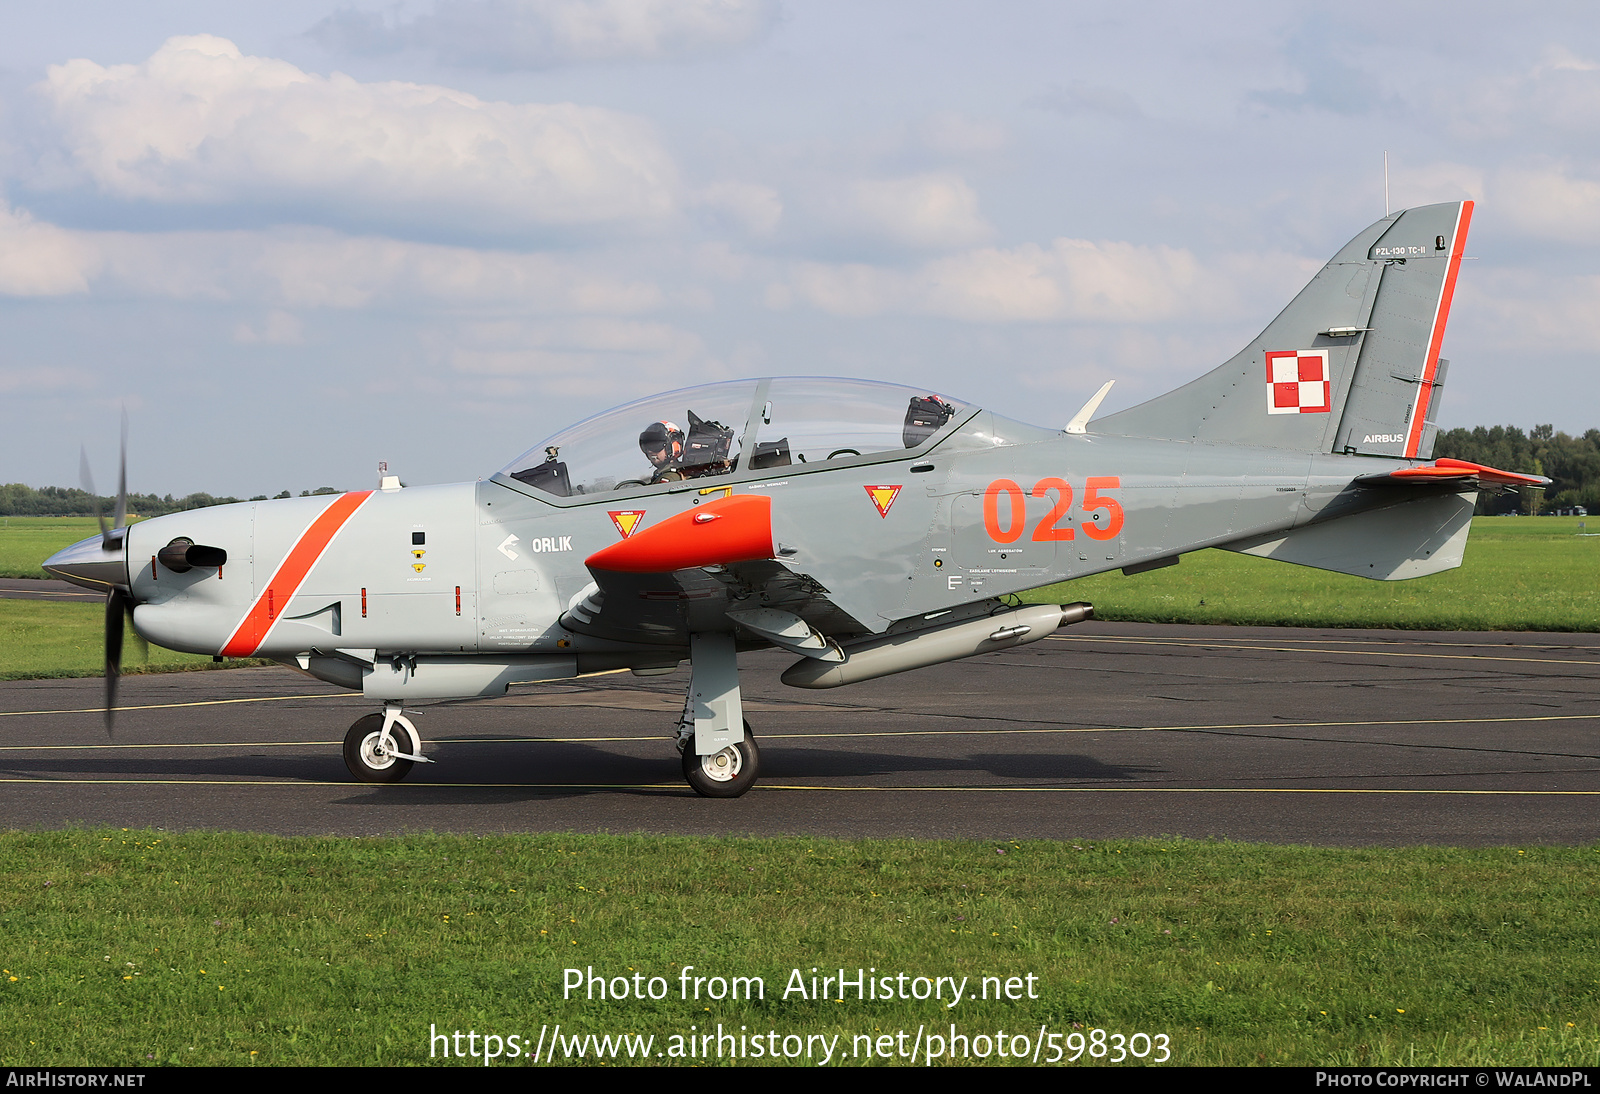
<point>725,774</point>
<point>366,757</point>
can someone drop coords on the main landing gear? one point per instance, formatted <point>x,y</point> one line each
<point>720,757</point>
<point>381,748</point>
<point>725,774</point>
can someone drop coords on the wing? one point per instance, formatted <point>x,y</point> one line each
<point>713,568</point>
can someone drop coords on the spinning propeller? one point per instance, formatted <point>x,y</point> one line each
<point>119,601</point>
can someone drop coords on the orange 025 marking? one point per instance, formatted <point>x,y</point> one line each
<point>1049,528</point>
<point>991,511</point>
<point>1111,507</point>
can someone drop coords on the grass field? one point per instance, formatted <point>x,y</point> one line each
<point>43,640</point>
<point>27,541</point>
<point>125,948</point>
<point>1520,574</point>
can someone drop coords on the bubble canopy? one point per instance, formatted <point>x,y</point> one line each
<point>717,430</point>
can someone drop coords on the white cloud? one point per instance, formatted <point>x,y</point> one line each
<point>520,34</point>
<point>1082,99</point>
<point>954,134</point>
<point>199,122</point>
<point>1523,314</point>
<point>846,288</point>
<point>936,211</point>
<point>1069,280</point>
<point>751,208</point>
<point>1558,95</point>
<point>44,379</point>
<point>39,259</point>
<point>1550,203</point>
<point>575,357</point>
<point>301,268</point>
<point>280,328</point>
<point>1434,182</point>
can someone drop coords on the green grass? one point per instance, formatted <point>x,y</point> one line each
<point>1520,573</point>
<point>126,948</point>
<point>44,640</point>
<point>27,541</point>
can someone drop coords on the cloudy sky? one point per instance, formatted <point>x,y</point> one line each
<point>295,239</point>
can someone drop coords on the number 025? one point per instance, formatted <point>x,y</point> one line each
<point>1049,528</point>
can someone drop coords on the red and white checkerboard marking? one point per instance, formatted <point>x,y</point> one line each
<point>1297,381</point>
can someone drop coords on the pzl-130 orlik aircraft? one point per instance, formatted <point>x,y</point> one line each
<point>866,528</point>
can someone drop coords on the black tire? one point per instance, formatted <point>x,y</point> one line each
<point>726,774</point>
<point>360,751</point>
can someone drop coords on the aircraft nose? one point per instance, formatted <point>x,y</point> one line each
<point>88,563</point>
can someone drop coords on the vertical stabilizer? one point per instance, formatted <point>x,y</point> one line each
<point>1351,365</point>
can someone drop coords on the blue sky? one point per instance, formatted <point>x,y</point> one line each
<point>300,238</point>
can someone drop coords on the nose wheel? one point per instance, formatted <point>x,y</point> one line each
<point>725,774</point>
<point>379,753</point>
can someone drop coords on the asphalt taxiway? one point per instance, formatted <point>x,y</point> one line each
<point>13,588</point>
<point>1103,730</point>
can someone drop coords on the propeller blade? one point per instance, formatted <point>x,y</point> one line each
<point>118,605</point>
<point>122,478</point>
<point>86,480</point>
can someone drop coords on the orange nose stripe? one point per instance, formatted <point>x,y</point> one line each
<point>291,572</point>
<point>732,529</point>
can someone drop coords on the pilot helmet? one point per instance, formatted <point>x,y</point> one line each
<point>662,435</point>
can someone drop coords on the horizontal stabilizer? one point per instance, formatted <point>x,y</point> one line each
<point>1416,537</point>
<point>1450,472</point>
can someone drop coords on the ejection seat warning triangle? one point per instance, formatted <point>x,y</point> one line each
<point>626,520</point>
<point>883,497</point>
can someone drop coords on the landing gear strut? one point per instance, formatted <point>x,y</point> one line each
<point>381,748</point>
<point>720,757</point>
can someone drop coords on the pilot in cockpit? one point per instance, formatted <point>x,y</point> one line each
<point>662,444</point>
<point>674,454</point>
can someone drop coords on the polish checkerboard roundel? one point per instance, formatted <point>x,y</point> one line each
<point>1297,381</point>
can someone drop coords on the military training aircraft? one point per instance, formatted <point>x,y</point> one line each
<point>867,528</point>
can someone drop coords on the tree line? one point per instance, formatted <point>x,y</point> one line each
<point>17,500</point>
<point>1573,462</point>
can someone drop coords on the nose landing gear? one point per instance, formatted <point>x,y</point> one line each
<point>381,748</point>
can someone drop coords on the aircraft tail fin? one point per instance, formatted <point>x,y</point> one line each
<point>1350,366</point>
